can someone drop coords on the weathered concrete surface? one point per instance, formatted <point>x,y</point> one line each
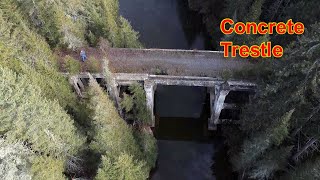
<point>217,97</point>
<point>126,79</point>
<point>184,160</point>
<point>173,62</point>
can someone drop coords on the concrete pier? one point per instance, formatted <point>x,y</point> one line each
<point>218,89</point>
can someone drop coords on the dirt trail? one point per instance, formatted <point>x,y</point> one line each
<point>155,61</point>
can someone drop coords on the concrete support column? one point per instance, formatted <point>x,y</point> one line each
<point>74,80</point>
<point>150,89</point>
<point>114,92</point>
<point>217,98</point>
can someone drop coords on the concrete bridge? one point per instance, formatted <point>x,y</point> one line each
<point>173,62</point>
<point>140,62</point>
<point>217,88</point>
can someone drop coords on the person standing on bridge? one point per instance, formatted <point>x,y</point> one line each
<point>83,55</point>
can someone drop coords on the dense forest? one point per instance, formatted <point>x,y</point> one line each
<point>278,137</point>
<point>47,132</point>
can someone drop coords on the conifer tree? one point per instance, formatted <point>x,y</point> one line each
<point>104,21</point>
<point>112,134</point>
<point>242,14</point>
<point>280,126</point>
<point>27,116</point>
<point>58,21</point>
<point>135,103</point>
<point>49,168</point>
<point>130,38</point>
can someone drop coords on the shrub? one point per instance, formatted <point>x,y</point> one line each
<point>71,65</point>
<point>93,65</point>
<point>92,39</point>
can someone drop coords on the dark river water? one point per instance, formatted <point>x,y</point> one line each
<point>187,150</point>
<point>168,24</point>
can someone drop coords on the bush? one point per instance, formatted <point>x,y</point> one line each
<point>72,66</point>
<point>92,39</point>
<point>93,65</point>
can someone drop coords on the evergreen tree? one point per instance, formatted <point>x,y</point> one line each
<point>25,52</point>
<point>283,116</point>
<point>127,154</point>
<point>112,134</point>
<point>307,171</point>
<point>49,168</point>
<point>58,21</point>
<point>129,37</point>
<point>26,115</point>
<point>135,103</point>
<point>104,21</point>
<point>241,14</point>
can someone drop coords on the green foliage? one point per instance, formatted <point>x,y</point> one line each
<point>112,134</point>
<point>68,23</point>
<point>160,71</point>
<point>130,38</point>
<point>135,103</point>
<point>123,167</point>
<point>15,161</point>
<point>127,154</point>
<point>104,21</point>
<point>307,171</point>
<point>47,168</point>
<point>273,161</point>
<point>127,102</point>
<point>241,14</point>
<point>148,146</point>
<point>34,96</point>
<point>25,52</point>
<point>254,147</point>
<point>284,114</point>
<point>26,115</point>
<point>92,39</point>
<point>72,66</point>
<point>58,21</point>
<point>93,65</point>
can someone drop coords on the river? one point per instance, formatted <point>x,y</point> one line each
<point>167,24</point>
<point>187,150</point>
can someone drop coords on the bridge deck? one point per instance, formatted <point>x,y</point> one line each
<point>173,62</point>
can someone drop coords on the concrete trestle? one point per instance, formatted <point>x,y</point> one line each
<point>217,88</point>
